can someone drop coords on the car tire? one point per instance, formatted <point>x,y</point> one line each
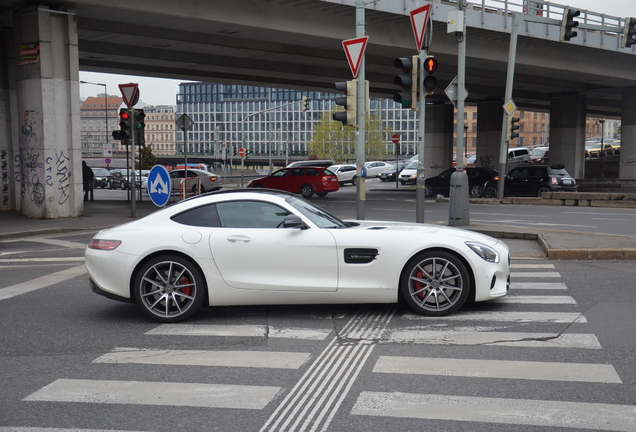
<point>307,190</point>
<point>428,191</point>
<point>490,192</point>
<point>476,191</point>
<point>354,180</point>
<point>322,194</point>
<point>542,189</point>
<point>169,288</point>
<point>435,283</point>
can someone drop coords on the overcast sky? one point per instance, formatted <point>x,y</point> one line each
<point>158,91</point>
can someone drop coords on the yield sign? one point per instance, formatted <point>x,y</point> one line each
<point>354,49</point>
<point>419,19</point>
<point>128,92</point>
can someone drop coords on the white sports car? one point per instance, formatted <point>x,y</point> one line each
<point>259,247</point>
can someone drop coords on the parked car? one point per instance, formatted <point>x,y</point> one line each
<point>477,177</point>
<point>540,155</point>
<point>347,173</point>
<point>262,247</point>
<point>313,163</point>
<point>375,168</point>
<point>519,154</point>
<point>303,180</point>
<point>409,173</point>
<point>392,171</point>
<point>102,178</point>
<point>593,151</point>
<point>533,180</point>
<point>195,180</point>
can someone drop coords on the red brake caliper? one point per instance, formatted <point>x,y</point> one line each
<point>187,290</point>
<point>417,285</point>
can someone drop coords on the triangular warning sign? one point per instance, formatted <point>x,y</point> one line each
<point>419,19</point>
<point>354,49</point>
<point>128,92</point>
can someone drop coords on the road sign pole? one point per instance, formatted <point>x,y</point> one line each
<point>420,194</point>
<point>133,191</point>
<point>360,117</point>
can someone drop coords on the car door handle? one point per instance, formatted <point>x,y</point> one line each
<point>238,238</point>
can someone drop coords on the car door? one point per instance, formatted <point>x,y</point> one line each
<point>518,182</point>
<point>279,180</point>
<point>252,253</point>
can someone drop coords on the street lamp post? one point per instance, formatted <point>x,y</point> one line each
<point>602,122</point>
<point>105,106</point>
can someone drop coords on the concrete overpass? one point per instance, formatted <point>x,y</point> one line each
<point>295,44</point>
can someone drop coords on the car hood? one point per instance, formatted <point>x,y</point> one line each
<point>428,229</point>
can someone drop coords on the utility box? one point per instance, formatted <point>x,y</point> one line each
<point>455,22</point>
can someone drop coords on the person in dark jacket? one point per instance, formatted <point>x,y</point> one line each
<point>87,179</point>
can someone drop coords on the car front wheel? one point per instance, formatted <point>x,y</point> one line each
<point>169,288</point>
<point>435,283</point>
<point>307,190</point>
<point>428,191</point>
<point>476,191</point>
<point>354,180</point>
<point>490,192</point>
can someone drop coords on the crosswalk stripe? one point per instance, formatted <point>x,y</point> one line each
<point>531,266</point>
<point>535,274</point>
<point>538,285</point>
<point>42,260</point>
<point>39,429</point>
<point>535,299</point>
<point>541,413</point>
<point>243,330</point>
<point>476,368</point>
<point>254,359</point>
<point>553,317</point>
<point>156,393</point>
<point>535,340</point>
<point>42,282</point>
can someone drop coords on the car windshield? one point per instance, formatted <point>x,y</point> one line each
<point>318,216</point>
<point>412,165</point>
<point>101,171</point>
<point>538,152</point>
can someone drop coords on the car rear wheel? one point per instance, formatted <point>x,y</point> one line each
<point>543,189</point>
<point>428,191</point>
<point>354,180</point>
<point>435,283</point>
<point>490,192</point>
<point>169,288</point>
<point>307,190</point>
<point>476,191</point>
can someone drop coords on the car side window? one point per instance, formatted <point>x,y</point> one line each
<point>519,173</point>
<point>202,216</point>
<point>296,172</point>
<point>539,172</point>
<point>250,214</point>
<point>313,172</point>
<point>281,173</point>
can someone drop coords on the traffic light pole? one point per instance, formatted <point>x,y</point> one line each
<point>133,143</point>
<point>360,118</point>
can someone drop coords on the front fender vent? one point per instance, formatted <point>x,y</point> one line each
<point>359,256</point>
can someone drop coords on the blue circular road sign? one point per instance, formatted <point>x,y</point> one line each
<point>159,185</point>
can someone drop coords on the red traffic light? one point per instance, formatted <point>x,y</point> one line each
<point>124,115</point>
<point>430,64</point>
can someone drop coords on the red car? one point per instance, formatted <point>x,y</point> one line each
<point>303,180</point>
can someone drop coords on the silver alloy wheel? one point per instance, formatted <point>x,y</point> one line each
<point>306,191</point>
<point>428,190</point>
<point>435,283</point>
<point>476,191</point>
<point>490,192</point>
<point>169,289</point>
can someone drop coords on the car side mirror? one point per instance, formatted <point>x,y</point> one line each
<point>293,221</point>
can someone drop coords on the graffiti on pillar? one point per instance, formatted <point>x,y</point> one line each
<point>487,161</point>
<point>4,178</point>
<point>29,164</point>
<point>63,174</point>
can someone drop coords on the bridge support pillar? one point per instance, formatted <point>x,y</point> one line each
<point>43,111</point>
<point>567,133</point>
<point>438,155</point>
<point>489,115</point>
<point>8,132</point>
<point>627,164</point>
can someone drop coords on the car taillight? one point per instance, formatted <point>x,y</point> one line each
<point>212,178</point>
<point>103,244</point>
<point>495,178</point>
<point>554,180</point>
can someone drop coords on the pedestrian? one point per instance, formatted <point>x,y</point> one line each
<point>87,179</point>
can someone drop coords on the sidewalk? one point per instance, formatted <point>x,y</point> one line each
<point>524,241</point>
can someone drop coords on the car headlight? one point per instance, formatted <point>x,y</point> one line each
<point>485,252</point>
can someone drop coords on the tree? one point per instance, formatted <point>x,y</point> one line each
<point>146,158</point>
<point>332,141</point>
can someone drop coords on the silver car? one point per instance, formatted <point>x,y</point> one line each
<point>196,181</point>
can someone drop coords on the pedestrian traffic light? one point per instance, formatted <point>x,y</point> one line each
<point>140,127</point>
<point>408,81</point>
<point>629,33</point>
<point>568,23</point>
<point>303,103</point>
<point>348,116</point>
<point>430,81</point>
<point>512,127</point>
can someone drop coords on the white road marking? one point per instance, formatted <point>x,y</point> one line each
<point>253,359</point>
<point>521,299</point>
<point>553,317</point>
<point>42,260</point>
<point>243,330</point>
<point>534,275</point>
<point>537,340</point>
<point>531,266</point>
<point>538,285</point>
<point>475,368</point>
<point>38,429</point>
<point>544,414</point>
<point>42,282</point>
<point>156,393</point>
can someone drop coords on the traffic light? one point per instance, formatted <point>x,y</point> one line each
<point>408,81</point>
<point>303,103</point>
<point>512,127</point>
<point>125,132</point>
<point>234,151</point>
<point>430,81</point>
<point>629,33</point>
<point>246,153</point>
<point>568,23</point>
<point>348,116</point>
<point>140,127</point>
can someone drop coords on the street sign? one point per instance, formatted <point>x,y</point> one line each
<point>395,139</point>
<point>241,152</point>
<point>108,161</point>
<point>451,92</point>
<point>354,49</point>
<point>419,19</point>
<point>130,93</point>
<point>107,150</point>
<point>510,107</point>
<point>184,122</point>
<point>159,185</point>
